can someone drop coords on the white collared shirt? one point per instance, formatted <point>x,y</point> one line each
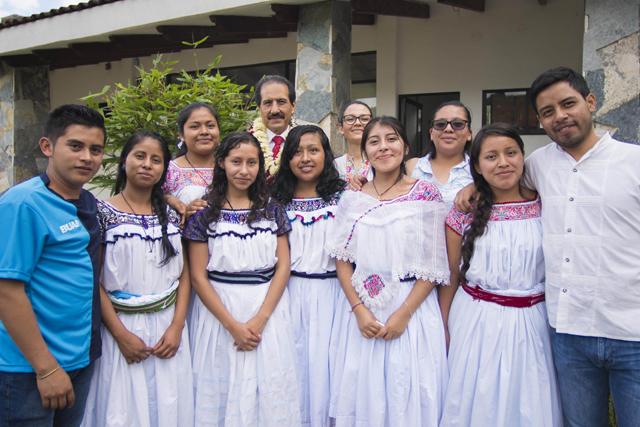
<point>271,134</point>
<point>591,223</point>
<point>459,177</point>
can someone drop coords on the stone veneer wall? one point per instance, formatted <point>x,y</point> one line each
<point>611,63</point>
<point>24,106</point>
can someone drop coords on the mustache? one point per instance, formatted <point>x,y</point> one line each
<point>277,115</point>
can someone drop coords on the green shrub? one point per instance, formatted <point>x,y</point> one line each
<point>153,103</point>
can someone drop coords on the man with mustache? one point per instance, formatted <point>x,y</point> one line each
<point>589,185</point>
<point>276,97</point>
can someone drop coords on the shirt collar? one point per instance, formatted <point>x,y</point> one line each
<point>600,145</point>
<point>424,164</point>
<point>284,134</point>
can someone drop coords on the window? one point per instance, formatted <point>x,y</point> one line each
<point>510,106</point>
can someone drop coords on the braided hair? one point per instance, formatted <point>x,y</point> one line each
<point>158,203</point>
<point>482,209</point>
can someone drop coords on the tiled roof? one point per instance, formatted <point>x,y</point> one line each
<point>19,20</point>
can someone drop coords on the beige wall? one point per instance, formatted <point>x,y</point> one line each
<point>453,51</point>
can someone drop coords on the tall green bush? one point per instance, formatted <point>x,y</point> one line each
<point>153,103</point>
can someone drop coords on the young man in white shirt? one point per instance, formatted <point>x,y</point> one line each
<point>590,191</point>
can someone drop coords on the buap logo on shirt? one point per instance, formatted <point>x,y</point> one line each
<point>71,225</point>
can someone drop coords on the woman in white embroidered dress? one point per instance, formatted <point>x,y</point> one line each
<point>390,364</point>
<point>144,375</point>
<point>501,367</point>
<point>353,117</point>
<point>446,164</point>
<point>309,186</point>
<point>243,352</point>
<point>191,171</point>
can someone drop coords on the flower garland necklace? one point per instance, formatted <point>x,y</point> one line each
<point>259,131</point>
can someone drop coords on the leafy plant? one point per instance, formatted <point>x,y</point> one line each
<point>154,101</point>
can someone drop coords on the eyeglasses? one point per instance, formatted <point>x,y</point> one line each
<point>456,124</point>
<point>364,119</point>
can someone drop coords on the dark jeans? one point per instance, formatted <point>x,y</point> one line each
<point>587,368</point>
<point>20,403</point>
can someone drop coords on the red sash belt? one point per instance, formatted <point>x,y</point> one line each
<point>477,292</point>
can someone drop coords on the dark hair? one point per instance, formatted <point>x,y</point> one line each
<point>217,190</point>
<point>349,104</point>
<point>157,195</point>
<point>285,181</point>
<point>72,114</point>
<point>274,78</point>
<point>430,148</point>
<point>183,117</point>
<point>553,76</point>
<point>482,210</point>
<point>397,127</point>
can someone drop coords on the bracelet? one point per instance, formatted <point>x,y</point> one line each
<point>355,305</point>
<point>408,308</point>
<point>48,374</point>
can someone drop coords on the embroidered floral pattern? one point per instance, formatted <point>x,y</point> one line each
<point>374,285</point>
<point>109,217</point>
<point>179,178</point>
<point>516,211</point>
<point>513,211</point>
<point>313,204</point>
<point>350,168</point>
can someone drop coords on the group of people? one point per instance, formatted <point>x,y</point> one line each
<point>256,280</point>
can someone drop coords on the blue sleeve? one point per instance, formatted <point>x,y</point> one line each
<point>24,236</point>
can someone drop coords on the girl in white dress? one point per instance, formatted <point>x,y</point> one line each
<point>243,353</point>
<point>309,186</point>
<point>501,367</point>
<point>353,117</point>
<point>144,376</point>
<point>191,171</point>
<point>390,358</point>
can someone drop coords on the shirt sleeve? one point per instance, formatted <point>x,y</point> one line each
<point>196,228</point>
<point>528,180</point>
<point>170,181</point>
<point>458,221</point>
<point>281,218</point>
<point>23,240</point>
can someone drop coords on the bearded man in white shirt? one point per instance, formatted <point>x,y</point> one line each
<point>589,185</point>
<point>276,99</point>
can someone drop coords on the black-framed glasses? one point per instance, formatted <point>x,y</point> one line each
<point>350,119</point>
<point>456,124</point>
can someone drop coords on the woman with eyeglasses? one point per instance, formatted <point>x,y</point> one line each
<point>353,117</point>
<point>446,163</point>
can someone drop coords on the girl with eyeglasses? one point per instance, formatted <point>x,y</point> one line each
<point>390,360</point>
<point>446,163</point>
<point>501,368</point>
<point>353,117</point>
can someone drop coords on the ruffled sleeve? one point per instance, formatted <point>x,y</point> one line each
<point>339,242</point>
<point>196,228</point>
<point>277,212</point>
<point>458,221</point>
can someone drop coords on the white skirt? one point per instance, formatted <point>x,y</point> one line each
<point>155,392</point>
<point>501,366</point>
<point>313,304</point>
<point>377,383</point>
<point>244,388</point>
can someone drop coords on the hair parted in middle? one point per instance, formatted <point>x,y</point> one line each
<point>217,191</point>
<point>484,204</point>
<point>158,202</point>
<point>397,127</point>
<point>285,181</point>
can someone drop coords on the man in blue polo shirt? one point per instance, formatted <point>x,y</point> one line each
<point>49,301</point>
